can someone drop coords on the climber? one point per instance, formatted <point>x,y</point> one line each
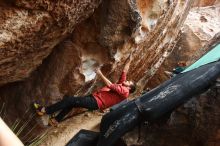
<point>181,66</point>
<point>103,98</point>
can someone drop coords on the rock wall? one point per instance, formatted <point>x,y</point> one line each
<point>195,123</point>
<point>29,32</point>
<point>203,3</point>
<point>199,28</point>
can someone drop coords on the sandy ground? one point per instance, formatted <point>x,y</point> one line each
<point>59,136</point>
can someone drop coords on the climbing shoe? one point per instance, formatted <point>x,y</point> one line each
<point>53,122</point>
<point>38,109</point>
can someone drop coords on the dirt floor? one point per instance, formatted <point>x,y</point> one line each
<point>59,136</point>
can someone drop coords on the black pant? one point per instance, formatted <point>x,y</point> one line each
<point>67,103</point>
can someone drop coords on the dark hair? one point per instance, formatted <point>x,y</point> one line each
<point>132,88</point>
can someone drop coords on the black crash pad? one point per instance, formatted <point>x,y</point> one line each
<point>84,138</point>
<point>120,104</point>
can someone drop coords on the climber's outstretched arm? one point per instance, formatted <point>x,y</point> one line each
<point>106,81</point>
<point>127,63</point>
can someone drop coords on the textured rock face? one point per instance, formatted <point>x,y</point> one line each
<point>45,47</point>
<point>199,28</point>
<point>28,36</point>
<point>197,122</point>
<point>203,3</point>
<point>116,22</point>
<point>150,11</point>
<point>66,13</point>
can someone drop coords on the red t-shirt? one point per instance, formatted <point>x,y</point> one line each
<point>113,94</point>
